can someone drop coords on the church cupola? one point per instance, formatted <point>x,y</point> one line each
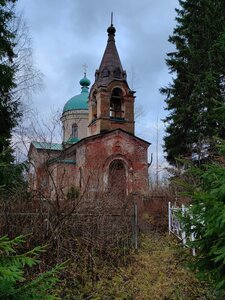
<point>75,115</point>
<point>111,101</point>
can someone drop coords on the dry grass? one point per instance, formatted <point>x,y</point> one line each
<point>157,271</point>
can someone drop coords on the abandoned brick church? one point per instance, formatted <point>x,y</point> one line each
<point>99,151</point>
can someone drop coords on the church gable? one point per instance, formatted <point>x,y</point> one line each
<point>117,149</point>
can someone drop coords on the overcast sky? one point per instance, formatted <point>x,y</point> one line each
<point>69,33</point>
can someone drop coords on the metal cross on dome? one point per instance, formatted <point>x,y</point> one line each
<point>111,18</point>
<point>85,68</point>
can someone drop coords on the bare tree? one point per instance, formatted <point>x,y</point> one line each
<point>28,77</point>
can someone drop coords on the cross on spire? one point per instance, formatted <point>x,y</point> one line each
<point>111,18</point>
<point>85,68</point>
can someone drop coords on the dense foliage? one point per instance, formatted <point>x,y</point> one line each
<point>206,219</point>
<point>14,281</point>
<point>198,86</point>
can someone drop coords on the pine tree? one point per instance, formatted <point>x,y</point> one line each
<point>198,89</point>
<point>14,280</point>
<point>9,107</point>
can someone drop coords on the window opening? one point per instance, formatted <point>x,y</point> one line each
<point>116,104</point>
<point>94,106</point>
<point>105,72</point>
<point>117,73</point>
<point>74,131</point>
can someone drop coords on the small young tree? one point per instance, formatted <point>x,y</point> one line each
<point>14,281</point>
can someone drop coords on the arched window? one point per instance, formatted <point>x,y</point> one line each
<point>117,183</point>
<point>117,73</point>
<point>116,104</point>
<point>74,131</point>
<point>105,72</point>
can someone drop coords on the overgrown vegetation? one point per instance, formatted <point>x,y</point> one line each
<point>157,271</point>
<point>102,263</point>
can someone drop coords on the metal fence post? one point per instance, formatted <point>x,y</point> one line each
<point>183,231</point>
<point>192,237</point>
<point>135,229</point>
<point>169,216</point>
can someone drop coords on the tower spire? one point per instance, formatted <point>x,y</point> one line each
<point>110,68</point>
<point>111,102</point>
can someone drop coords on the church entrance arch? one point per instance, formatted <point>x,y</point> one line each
<point>117,178</point>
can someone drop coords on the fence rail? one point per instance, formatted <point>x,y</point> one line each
<point>117,225</point>
<point>176,227</point>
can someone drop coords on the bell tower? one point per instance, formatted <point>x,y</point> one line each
<point>111,101</point>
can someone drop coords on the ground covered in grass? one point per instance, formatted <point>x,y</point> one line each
<point>157,271</point>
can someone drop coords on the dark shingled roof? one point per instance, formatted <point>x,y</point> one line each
<point>110,68</point>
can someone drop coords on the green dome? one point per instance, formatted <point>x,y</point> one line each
<point>79,102</point>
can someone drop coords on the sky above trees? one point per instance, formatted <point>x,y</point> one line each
<point>70,33</point>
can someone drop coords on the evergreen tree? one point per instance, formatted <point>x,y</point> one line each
<point>9,107</point>
<point>198,88</point>
<point>15,283</point>
<point>206,219</point>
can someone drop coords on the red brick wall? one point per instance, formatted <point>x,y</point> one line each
<point>95,155</point>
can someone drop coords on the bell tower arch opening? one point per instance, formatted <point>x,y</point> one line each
<point>116,104</point>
